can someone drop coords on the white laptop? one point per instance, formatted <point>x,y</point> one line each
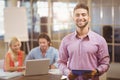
<point>37,67</point>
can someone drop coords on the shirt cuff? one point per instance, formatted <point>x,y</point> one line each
<point>56,65</point>
<point>67,72</point>
<point>99,70</point>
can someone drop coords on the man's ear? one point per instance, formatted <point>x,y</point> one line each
<point>89,19</point>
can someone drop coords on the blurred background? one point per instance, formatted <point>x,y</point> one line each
<point>55,18</point>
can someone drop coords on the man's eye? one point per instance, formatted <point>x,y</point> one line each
<point>77,15</point>
<point>84,14</point>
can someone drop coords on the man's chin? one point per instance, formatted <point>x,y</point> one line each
<point>81,26</point>
<point>43,48</point>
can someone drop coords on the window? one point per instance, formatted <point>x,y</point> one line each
<point>105,21</point>
<point>2,6</point>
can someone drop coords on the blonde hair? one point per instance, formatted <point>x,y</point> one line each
<point>14,40</point>
<point>11,42</point>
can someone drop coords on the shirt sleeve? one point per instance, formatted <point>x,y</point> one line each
<point>103,58</point>
<point>29,56</point>
<point>56,58</point>
<point>63,59</point>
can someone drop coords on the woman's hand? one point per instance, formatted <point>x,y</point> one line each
<point>21,68</point>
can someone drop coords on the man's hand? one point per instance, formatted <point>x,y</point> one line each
<point>72,76</point>
<point>52,67</point>
<point>90,75</point>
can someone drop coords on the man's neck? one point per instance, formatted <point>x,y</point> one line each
<point>82,32</point>
<point>44,51</point>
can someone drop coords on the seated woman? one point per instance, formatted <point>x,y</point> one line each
<point>14,58</point>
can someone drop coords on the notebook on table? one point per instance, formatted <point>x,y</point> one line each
<point>36,67</point>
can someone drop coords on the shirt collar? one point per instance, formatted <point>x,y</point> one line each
<point>88,34</point>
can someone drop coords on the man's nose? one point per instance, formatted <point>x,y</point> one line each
<point>42,44</point>
<point>80,16</point>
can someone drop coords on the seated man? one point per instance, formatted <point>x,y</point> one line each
<point>44,50</point>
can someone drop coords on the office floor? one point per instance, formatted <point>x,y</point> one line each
<point>112,79</point>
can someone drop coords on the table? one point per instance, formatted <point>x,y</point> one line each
<point>38,77</point>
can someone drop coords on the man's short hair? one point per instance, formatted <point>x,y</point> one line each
<point>45,36</point>
<point>81,5</point>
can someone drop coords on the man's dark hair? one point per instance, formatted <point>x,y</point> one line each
<point>81,5</point>
<point>45,36</point>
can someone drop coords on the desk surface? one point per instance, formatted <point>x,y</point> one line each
<point>40,77</point>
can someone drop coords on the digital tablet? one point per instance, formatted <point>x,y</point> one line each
<point>80,72</point>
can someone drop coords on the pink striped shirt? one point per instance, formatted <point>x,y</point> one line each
<point>88,53</point>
